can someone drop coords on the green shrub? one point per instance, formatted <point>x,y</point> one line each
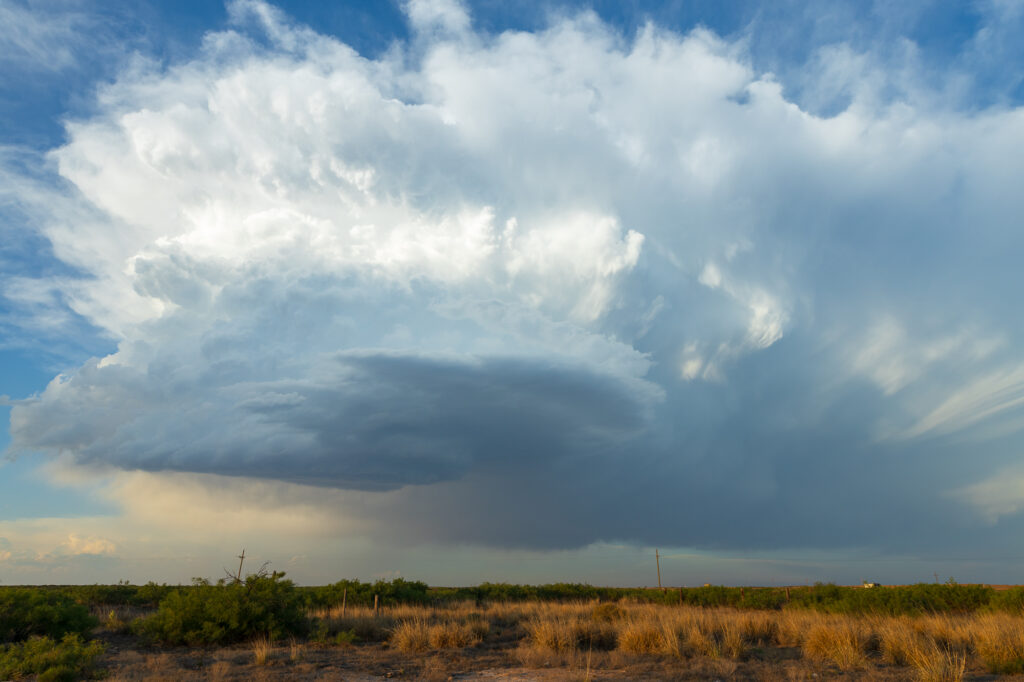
<point>28,612</point>
<point>61,673</point>
<point>1011,600</point>
<point>904,599</point>
<point>357,593</point>
<point>69,659</point>
<point>223,613</point>
<point>346,637</point>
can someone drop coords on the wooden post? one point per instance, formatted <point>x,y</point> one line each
<point>344,599</point>
<point>376,605</point>
<point>787,594</point>
<point>741,595</point>
<point>241,560</point>
<point>657,561</point>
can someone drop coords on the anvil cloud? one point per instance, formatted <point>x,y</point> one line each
<point>543,289</point>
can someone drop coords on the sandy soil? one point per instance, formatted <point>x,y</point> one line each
<point>127,660</point>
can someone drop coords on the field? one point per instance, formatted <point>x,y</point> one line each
<point>264,627</point>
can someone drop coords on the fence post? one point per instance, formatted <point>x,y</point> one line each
<point>376,605</point>
<point>344,600</point>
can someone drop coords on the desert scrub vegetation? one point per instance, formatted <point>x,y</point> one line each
<point>933,632</point>
<point>999,643</point>
<point>938,647</point>
<point>227,612</point>
<point>841,641</point>
<point>357,593</point>
<point>28,612</point>
<point>355,624</point>
<point>70,658</point>
<point>916,599</point>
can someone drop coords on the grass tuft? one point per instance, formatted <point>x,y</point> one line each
<point>262,647</point>
<point>840,642</point>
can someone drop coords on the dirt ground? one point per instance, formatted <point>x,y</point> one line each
<point>127,660</point>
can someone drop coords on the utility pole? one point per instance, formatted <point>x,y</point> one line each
<point>657,561</point>
<point>241,560</point>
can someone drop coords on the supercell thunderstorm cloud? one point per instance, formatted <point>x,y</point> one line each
<point>545,289</point>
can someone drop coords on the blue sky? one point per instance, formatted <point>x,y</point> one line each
<point>536,286</point>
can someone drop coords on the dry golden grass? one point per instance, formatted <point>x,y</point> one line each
<point>949,632</point>
<point>295,650</point>
<point>647,636</point>
<point>419,634</point>
<point>899,640</point>
<point>840,641</point>
<point>733,645</point>
<point>999,643</point>
<point>758,628</point>
<point>703,642</point>
<point>220,671</point>
<point>411,635</point>
<point>619,640</point>
<point>558,635</point>
<point>607,612</point>
<point>935,664</point>
<point>262,647</point>
<point>579,636</point>
<point>451,634</point>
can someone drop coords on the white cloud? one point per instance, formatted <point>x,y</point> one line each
<point>92,545</point>
<point>34,41</point>
<point>483,266</point>
<point>892,360</point>
<point>995,497</point>
<point>446,16</point>
<point>1000,394</point>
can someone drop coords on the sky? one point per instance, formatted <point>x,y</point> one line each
<point>485,291</point>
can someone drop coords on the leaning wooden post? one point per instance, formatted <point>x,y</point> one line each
<point>787,594</point>
<point>241,560</point>
<point>344,599</point>
<point>657,561</point>
<point>376,605</point>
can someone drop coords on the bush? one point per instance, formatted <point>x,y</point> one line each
<point>31,612</point>
<point>356,593</point>
<point>228,612</point>
<point>69,659</point>
<point>905,599</point>
<point>1011,600</point>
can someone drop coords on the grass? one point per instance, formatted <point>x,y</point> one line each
<point>999,643</point>
<point>935,664</point>
<point>584,638</point>
<point>411,636</point>
<point>262,647</point>
<point>296,650</point>
<point>930,647</point>
<point>841,641</point>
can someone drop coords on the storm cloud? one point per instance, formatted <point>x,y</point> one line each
<point>547,289</point>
